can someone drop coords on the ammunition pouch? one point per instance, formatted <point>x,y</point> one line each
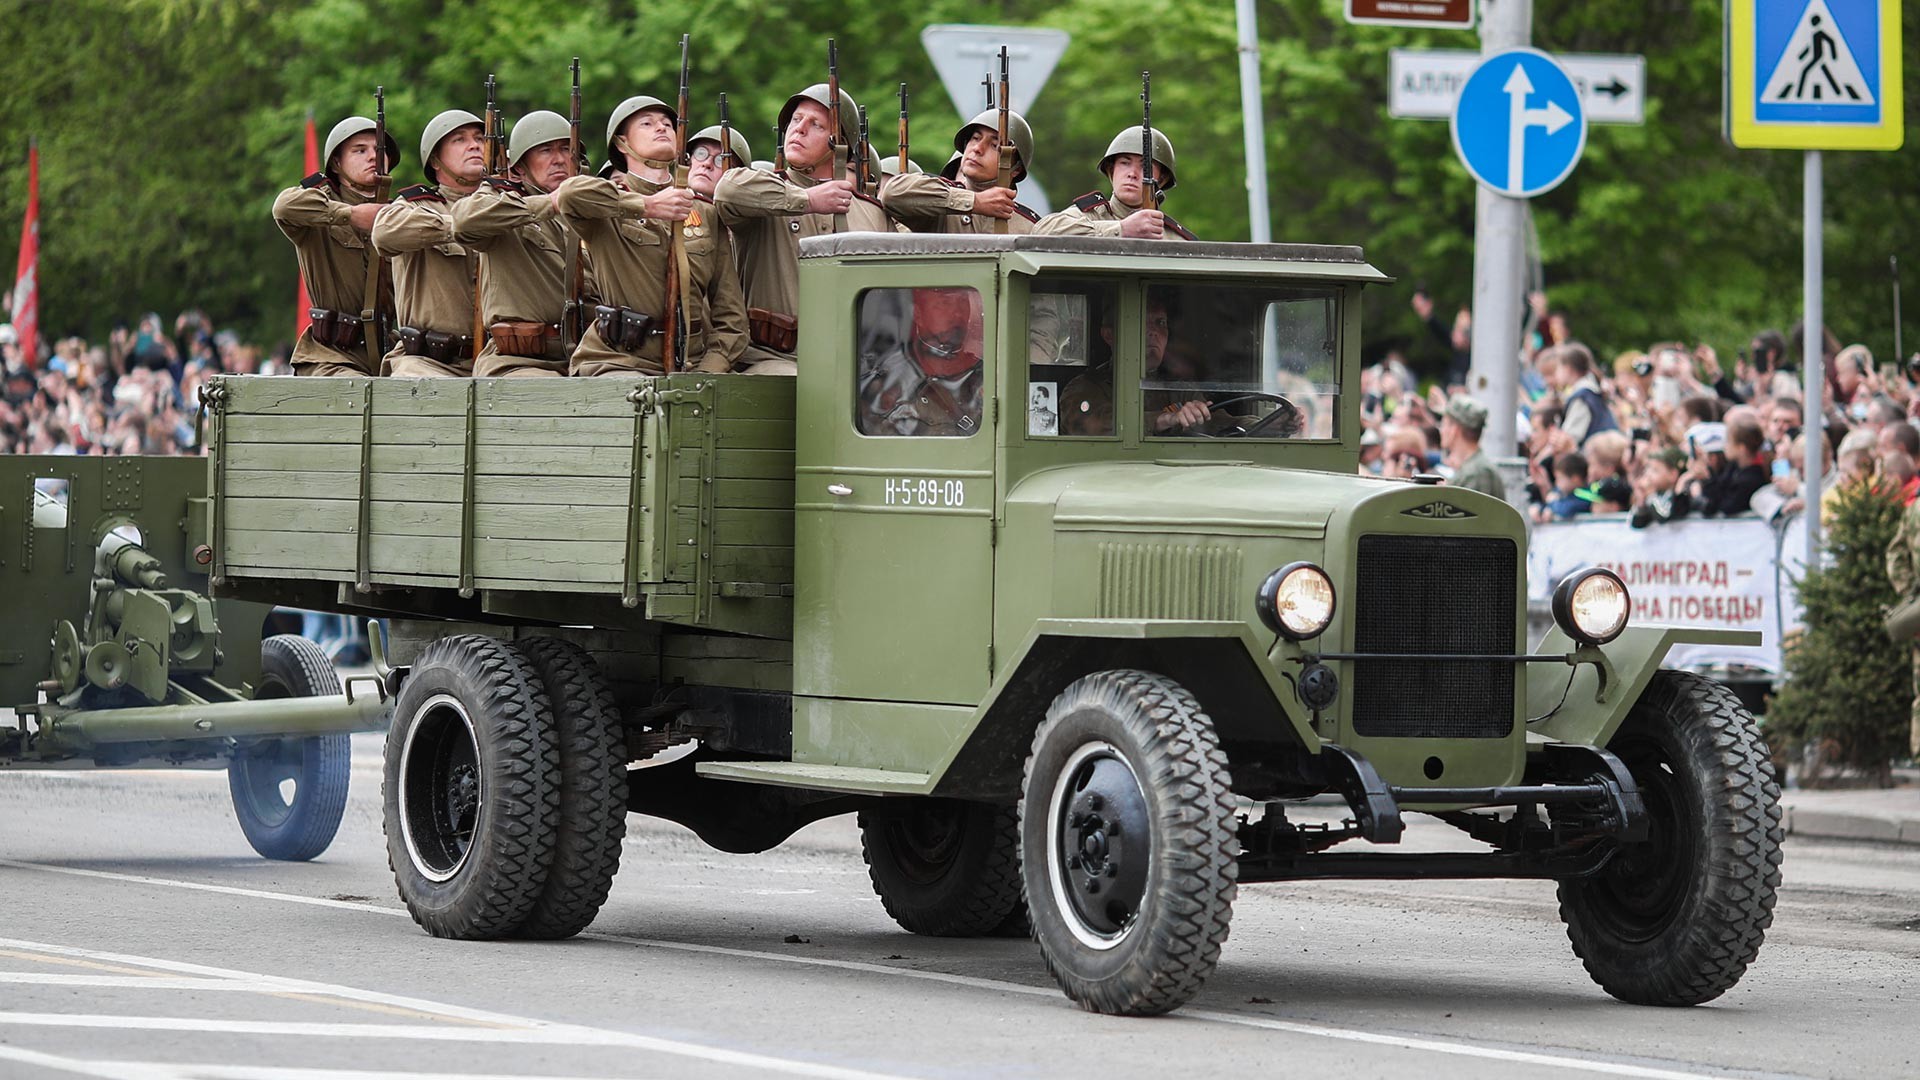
<point>624,328</point>
<point>535,339</point>
<point>337,329</point>
<point>773,330</point>
<point>434,345</point>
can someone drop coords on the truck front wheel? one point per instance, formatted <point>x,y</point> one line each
<point>1127,843</point>
<point>472,789</point>
<point>289,794</point>
<point>1676,919</point>
<point>943,867</point>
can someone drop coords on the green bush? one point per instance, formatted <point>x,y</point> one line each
<point>1848,688</point>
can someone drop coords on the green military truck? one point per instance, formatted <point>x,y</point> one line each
<point>1053,566</point>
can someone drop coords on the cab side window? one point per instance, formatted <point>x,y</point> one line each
<point>1070,350</point>
<point>919,373</point>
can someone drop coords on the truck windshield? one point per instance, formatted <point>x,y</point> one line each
<point>1241,361</point>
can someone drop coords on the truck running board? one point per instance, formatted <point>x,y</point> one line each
<point>799,774</point>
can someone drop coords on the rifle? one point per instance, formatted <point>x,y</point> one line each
<point>904,164</point>
<point>864,172</point>
<point>573,322</point>
<point>834,145</point>
<point>1150,194</point>
<point>673,328</point>
<point>371,322</point>
<point>1006,152</point>
<point>726,139</point>
<point>490,140</point>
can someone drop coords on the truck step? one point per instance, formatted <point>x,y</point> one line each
<point>823,777</point>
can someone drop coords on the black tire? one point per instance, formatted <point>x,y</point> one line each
<point>472,789</point>
<point>300,827</point>
<point>943,867</point>
<point>593,789</point>
<point>1130,749</point>
<point>1676,920</point>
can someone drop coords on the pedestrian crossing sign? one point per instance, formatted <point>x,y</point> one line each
<point>1814,74</point>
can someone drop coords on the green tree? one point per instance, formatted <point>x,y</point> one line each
<point>1848,687</point>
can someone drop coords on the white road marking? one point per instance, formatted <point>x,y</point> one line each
<point>1461,1048</point>
<point>105,1070</point>
<point>158,1070</point>
<point>135,982</point>
<point>506,1028</point>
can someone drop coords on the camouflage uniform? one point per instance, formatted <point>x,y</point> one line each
<point>1903,570</point>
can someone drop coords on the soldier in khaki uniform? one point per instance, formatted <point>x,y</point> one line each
<point>626,222</point>
<point>1460,428</point>
<point>1903,570</point>
<point>433,273</point>
<point>328,217</point>
<point>771,212</point>
<point>706,165</point>
<point>1123,212</point>
<point>975,202</point>
<point>524,247</point>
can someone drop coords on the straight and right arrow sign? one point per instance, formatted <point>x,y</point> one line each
<point>1426,83</point>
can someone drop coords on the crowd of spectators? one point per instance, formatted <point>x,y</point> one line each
<point>137,393</point>
<point>1660,433</point>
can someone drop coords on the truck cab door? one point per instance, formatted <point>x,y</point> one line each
<point>894,490</point>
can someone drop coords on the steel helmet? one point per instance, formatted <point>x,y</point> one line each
<point>890,165</point>
<point>437,130</point>
<point>817,93</point>
<point>624,112</point>
<point>742,153</point>
<point>951,170</point>
<point>347,129</point>
<point>1128,142</point>
<point>1018,133</point>
<point>537,129</point>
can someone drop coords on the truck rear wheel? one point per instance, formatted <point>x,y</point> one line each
<point>943,867</point>
<point>1127,837</point>
<point>593,789</point>
<point>471,793</point>
<point>289,794</point>
<point>1676,919</point>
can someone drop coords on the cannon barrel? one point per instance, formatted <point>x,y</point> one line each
<point>129,563</point>
<point>269,717</point>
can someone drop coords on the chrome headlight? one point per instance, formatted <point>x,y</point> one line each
<point>1592,606</point>
<point>1296,601</point>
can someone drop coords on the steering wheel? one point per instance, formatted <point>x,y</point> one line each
<point>1283,408</point>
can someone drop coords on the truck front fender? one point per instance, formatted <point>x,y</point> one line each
<point>1574,707</point>
<point>1221,663</point>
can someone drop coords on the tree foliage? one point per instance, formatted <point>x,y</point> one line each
<point>1848,686</point>
<point>166,126</point>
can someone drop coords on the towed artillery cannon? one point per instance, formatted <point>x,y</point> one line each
<point>111,656</point>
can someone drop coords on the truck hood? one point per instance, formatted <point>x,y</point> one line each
<point>1204,497</point>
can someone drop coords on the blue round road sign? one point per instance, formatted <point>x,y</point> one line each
<point>1518,125</point>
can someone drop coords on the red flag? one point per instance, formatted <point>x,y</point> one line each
<point>26,286</point>
<point>303,306</point>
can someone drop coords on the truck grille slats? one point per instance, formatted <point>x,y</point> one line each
<point>1434,594</point>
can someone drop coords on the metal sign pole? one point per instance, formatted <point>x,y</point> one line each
<point>1499,245</point>
<point>1813,350</point>
<point>1253,124</point>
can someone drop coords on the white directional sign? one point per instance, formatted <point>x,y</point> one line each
<point>1427,82</point>
<point>1518,127</point>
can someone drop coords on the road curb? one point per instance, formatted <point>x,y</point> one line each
<point>1843,825</point>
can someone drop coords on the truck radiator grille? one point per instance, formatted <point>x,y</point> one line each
<point>1434,594</point>
<point>1165,581</point>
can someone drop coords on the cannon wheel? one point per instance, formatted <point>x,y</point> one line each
<point>943,867</point>
<point>471,791</point>
<point>593,788</point>
<point>1127,843</point>
<point>289,794</point>
<point>1676,918</point>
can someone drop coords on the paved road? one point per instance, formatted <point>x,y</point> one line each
<point>141,939</point>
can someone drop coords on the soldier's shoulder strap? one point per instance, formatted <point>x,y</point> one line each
<point>1176,228</point>
<point>1089,202</point>
<point>502,183</point>
<point>317,180</point>
<point>1025,211</point>
<point>421,193</point>
<point>708,199</point>
<point>864,197</point>
<point>949,183</point>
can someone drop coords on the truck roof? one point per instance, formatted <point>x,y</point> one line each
<point>1033,254</point>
